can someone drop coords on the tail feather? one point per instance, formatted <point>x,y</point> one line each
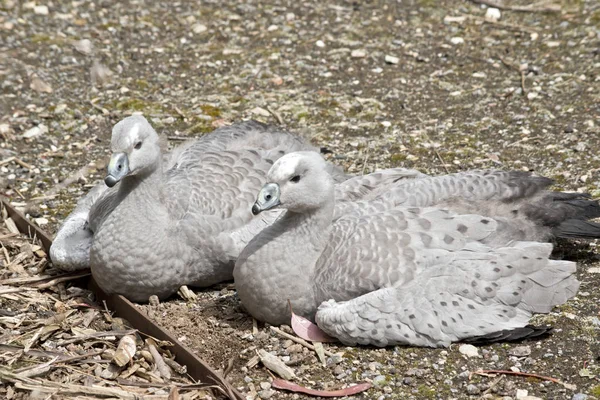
<point>576,228</point>
<point>555,208</point>
<point>527,332</point>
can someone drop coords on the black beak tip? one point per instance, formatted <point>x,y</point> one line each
<point>110,181</point>
<point>255,209</point>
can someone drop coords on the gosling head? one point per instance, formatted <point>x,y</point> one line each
<point>297,182</point>
<point>135,149</point>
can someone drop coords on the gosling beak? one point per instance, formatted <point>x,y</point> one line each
<point>268,197</point>
<point>118,168</point>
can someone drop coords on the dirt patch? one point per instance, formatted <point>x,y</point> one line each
<point>521,93</point>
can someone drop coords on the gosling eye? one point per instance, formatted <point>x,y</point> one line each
<point>295,179</point>
<point>138,145</point>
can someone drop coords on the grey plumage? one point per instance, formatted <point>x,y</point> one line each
<point>173,220</point>
<point>415,264</point>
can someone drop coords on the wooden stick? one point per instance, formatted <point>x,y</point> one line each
<point>96,335</point>
<point>33,352</point>
<point>16,290</point>
<point>18,161</point>
<point>517,69</point>
<point>10,376</point>
<point>276,365</point>
<point>74,390</point>
<point>7,160</point>
<point>162,367</point>
<point>528,8</point>
<point>181,114</point>
<point>24,164</point>
<point>275,114</point>
<point>36,279</point>
<point>83,357</point>
<point>505,25</point>
<point>64,278</point>
<point>37,370</point>
<point>297,340</point>
<point>32,341</point>
<point>492,385</point>
<point>488,372</point>
<point>437,153</point>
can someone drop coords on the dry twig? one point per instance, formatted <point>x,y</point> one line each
<point>274,364</point>
<point>275,114</point>
<point>298,340</point>
<point>504,25</point>
<point>163,368</point>
<point>516,68</point>
<point>540,6</point>
<point>492,372</point>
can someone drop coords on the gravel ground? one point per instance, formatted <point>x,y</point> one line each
<point>420,84</point>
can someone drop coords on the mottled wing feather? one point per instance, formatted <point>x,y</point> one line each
<point>474,294</point>
<point>472,185</point>
<point>370,249</point>
<point>220,184</point>
<point>366,187</point>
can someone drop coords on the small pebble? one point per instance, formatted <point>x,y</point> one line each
<point>199,28</point>
<point>379,380</point>
<point>492,14</point>
<point>391,59</point>
<point>84,46</point>
<point>457,40</point>
<point>359,53</point>
<point>40,10</point>
<point>464,375</point>
<point>153,300</point>
<point>579,396</point>
<point>472,389</point>
<point>469,350</point>
<point>520,351</point>
<point>35,131</point>
<point>521,393</point>
<point>41,221</point>
<point>334,359</point>
<point>266,394</point>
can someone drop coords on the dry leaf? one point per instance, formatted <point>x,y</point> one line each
<point>125,350</point>
<point>40,86</point>
<point>276,365</point>
<point>100,73</point>
<point>111,372</point>
<point>349,391</point>
<point>307,330</point>
<point>320,353</point>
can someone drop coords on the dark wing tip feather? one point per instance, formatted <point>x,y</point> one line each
<point>577,228</point>
<point>527,332</point>
<point>526,183</point>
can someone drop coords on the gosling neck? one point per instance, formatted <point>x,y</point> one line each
<point>149,186</point>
